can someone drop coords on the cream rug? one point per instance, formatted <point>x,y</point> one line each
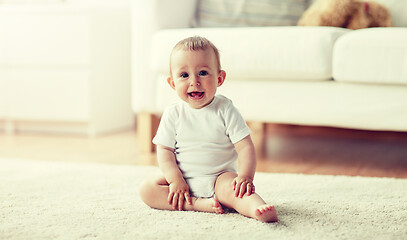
<point>47,200</point>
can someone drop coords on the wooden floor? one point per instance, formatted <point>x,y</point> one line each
<point>290,149</point>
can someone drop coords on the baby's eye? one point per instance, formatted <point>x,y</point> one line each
<point>203,73</point>
<point>184,75</point>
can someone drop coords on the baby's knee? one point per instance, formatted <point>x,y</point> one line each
<point>226,190</point>
<point>145,191</point>
<point>224,185</point>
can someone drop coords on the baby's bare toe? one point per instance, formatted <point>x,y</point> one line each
<point>266,213</point>
<point>217,207</point>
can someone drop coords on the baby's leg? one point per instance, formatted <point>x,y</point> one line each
<point>155,194</point>
<point>251,206</point>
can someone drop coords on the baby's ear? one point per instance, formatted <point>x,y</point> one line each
<point>221,77</point>
<point>170,81</point>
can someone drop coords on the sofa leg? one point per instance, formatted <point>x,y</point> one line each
<point>258,137</point>
<point>147,125</point>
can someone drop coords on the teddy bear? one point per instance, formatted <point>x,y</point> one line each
<point>352,14</point>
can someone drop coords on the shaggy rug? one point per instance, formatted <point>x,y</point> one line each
<point>48,200</point>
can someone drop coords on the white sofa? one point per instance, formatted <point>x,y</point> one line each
<point>318,76</point>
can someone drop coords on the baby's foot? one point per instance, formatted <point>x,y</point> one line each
<point>266,213</point>
<point>208,205</point>
<point>216,206</point>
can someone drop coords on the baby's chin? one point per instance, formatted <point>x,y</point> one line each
<point>198,104</point>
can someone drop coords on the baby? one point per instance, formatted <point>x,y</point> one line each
<point>204,147</point>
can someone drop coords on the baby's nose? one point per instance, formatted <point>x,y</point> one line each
<point>194,81</point>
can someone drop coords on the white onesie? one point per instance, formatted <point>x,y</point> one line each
<point>203,141</point>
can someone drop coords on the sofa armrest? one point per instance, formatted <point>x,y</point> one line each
<point>147,18</point>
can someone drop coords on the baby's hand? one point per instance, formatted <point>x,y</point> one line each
<point>242,185</point>
<point>179,191</point>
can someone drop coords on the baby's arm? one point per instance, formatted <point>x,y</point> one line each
<point>178,188</point>
<point>243,183</point>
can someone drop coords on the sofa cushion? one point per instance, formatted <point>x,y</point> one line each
<point>311,103</point>
<point>238,13</point>
<point>280,53</point>
<point>374,55</point>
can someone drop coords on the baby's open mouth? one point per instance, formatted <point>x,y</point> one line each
<point>196,95</point>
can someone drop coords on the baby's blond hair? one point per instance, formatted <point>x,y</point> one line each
<point>197,43</point>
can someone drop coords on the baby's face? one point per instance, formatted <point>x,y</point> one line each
<point>195,76</point>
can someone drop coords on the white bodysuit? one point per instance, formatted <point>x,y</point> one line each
<point>203,141</point>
